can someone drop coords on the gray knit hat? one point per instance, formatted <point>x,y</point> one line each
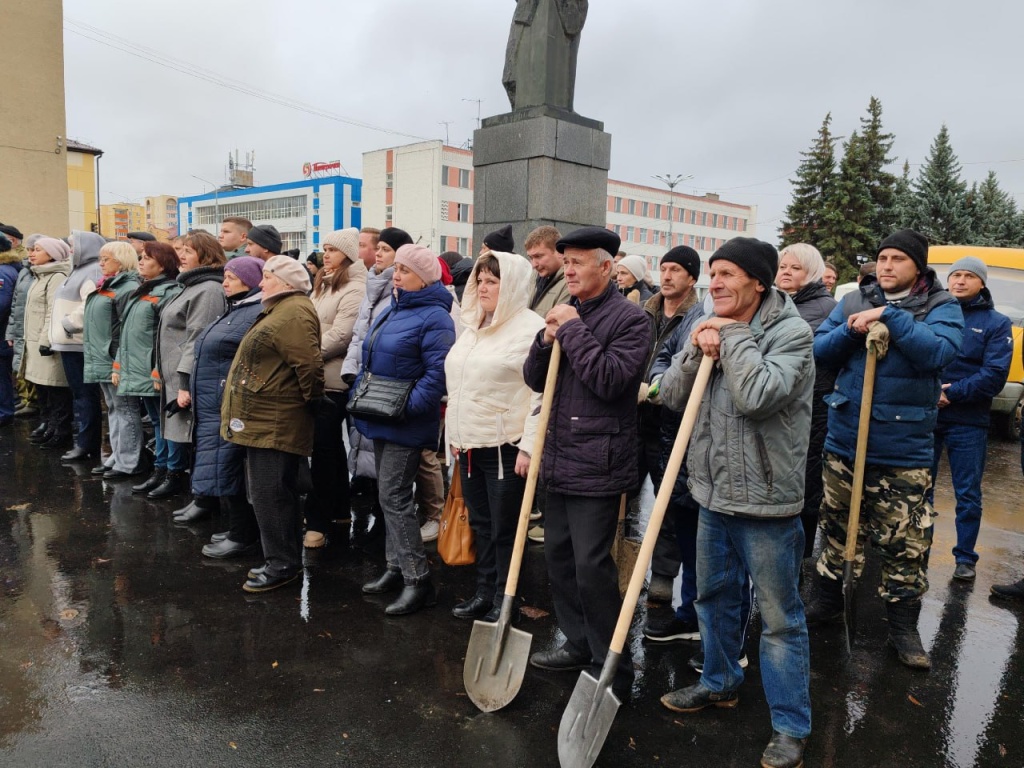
<point>970,264</point>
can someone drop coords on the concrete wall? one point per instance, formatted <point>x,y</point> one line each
<point>33,170</point>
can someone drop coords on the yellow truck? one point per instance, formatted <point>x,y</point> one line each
<point>1006,283</point>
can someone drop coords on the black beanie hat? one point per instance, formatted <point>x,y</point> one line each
<point>686,257</point>
<point>758,259</point>
<point>501,240</point>
<point>266,236</point>
<point>912,243</point>
<point>395,237</point>
<point>11,231</point>
<point>5,244</point>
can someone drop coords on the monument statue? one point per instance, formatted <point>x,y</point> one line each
<point>540,60</point>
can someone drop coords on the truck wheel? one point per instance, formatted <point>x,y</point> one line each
<point>1012,426</point>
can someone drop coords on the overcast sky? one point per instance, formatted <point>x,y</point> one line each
<point>728,91</point>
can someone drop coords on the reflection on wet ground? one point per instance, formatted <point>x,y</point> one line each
<point>121,646</point>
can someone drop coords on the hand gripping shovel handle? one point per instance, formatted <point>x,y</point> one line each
<point>675,461</point>
<point>512,582</point>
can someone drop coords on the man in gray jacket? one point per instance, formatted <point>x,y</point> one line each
<point>746,472</point>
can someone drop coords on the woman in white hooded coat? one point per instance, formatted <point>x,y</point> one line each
<point>492,415</point>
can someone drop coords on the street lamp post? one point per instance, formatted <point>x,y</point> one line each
<point>216,199</point>
<point>671,181</point>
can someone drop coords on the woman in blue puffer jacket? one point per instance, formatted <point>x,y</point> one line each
<point>218,471</point>
<point>409,341</point>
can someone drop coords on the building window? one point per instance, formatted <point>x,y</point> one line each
<point>643,210</point>
<point>629,232</point>
<point>291,240</point>
<point>632,207</point>
<point>444,176</point>
<point>618,204</point>
<point>714,219</point>
<point>464,178</point>
<point>657,210</point>
<point>643,234</point>
<point>463,246</point>
<point>389,181</point>
<point>462,211</point>
<point>254,210</point>
<point>704,218</point>
<point>743,225</point>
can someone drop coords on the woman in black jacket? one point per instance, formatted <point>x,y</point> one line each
<point>800,271</point>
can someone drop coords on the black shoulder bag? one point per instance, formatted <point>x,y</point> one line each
<point>379,398</point>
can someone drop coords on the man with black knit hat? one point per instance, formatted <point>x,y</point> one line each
<point>499,240</point>
<point>264,242</point>
<point>745,465</point>
<point>925,333</point>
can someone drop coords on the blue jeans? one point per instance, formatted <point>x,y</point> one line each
<point>167,454</point>
<point>770,551</point>
<point>966,447</point>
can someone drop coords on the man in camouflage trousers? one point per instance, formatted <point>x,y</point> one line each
<point>925,333</point>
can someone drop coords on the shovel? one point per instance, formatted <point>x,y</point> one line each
<point>875,351</point>
<point>591,709</point>
<point>497,653</point>
<point>624,549</point>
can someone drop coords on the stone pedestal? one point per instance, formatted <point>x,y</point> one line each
<point>536,166</point>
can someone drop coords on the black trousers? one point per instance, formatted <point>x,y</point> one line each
<point>55,409</point>
<point>329,468</point>
<point>665,561</point>
<point>493,505</point>
<point>273,477</point>
<point>578,535</point>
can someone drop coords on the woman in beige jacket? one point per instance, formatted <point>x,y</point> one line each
<point>50,260</point>
<point>337,295</point>
<point>492,415</point>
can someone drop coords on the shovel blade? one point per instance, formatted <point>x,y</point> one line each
<point>585,723</point>
<point>849,605</point>
<point>495,665</point>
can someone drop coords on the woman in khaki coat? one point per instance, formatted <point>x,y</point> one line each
<point>337,295</point>
<point>50,260</point>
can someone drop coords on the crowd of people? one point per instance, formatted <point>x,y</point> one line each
<point>244,362</point>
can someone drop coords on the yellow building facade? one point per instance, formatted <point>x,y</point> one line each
<point>162,216</point>
<point>83,170</point>
<point>118,219</point>
<point>33,169</point>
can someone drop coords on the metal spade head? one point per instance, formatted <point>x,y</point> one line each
<point>495,662</point>
<point>587,719</point>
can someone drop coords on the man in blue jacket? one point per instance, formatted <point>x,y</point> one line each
<point>925,333</point>
<point>968,385</point>
<point>10,265</point>
<point>590,454</point>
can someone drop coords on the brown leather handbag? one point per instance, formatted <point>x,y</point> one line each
<point>455,538</point>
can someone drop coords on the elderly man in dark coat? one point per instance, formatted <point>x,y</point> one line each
<point>591,453</point>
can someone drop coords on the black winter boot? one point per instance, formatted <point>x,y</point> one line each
<point>36,435</point>
<point>156,478</point>
<point>174,483</point>
<point>413,598</point>
<point>389,581</point>
<point>903,635</point>
<point>826,605</point>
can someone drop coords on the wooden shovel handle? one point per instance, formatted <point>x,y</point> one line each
<point>668,481</point>
<point>860,458</point>
<point>512,582</point>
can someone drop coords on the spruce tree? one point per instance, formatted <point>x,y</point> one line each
<point>994,216</point>
<point>877,144</point>
<point>804,217</point>
<point>849,210</point>
<point>904,203</point>
<point>940,212</point>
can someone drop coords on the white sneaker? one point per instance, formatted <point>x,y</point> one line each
<point>536,534</point>
<point>535,516</point>
<point>429,531</point>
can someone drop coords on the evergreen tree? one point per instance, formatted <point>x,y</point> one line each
<point>804,217</point>
<point>903,204</point>
<point>940,213</point>
<point>881,184</point>
<point>994,216</point>
<point>849,210</point>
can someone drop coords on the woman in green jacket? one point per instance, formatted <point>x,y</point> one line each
<point>135,360</point>
<point>273,388</point>
<point>101,325</point>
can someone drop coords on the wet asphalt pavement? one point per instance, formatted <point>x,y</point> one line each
<point>121,646</point>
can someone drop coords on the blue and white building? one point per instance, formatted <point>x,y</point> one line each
<point>303,211</point>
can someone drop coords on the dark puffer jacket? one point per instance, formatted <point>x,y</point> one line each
<point>591,443</point>
<point>926,331</point>
<point>410,341</point>
<point>219,468</point>
<point>979,372</point>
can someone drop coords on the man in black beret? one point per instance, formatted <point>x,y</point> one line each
<point>138,240</point>
<point>590,458</point>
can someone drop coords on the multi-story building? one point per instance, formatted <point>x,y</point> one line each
<point>427,190</point>
<point>302,211</point>
<point>83,175</point>
<point>162,216</point>
<point>424,188</point>
<point>33,169</point>
<point>118,219</point>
